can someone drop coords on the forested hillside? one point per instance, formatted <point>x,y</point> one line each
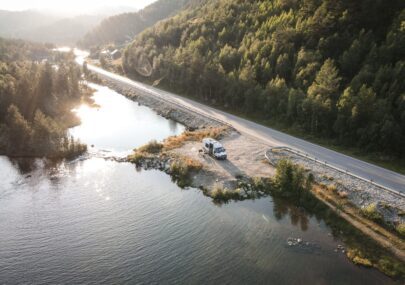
<point>124,27</point>
<point>36,100</point>
<point>335,69</point>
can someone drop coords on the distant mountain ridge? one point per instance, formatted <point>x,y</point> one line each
<point>51,27</point>
<point>64,31</point>
<point>14,22</point>
<point>121,28</point>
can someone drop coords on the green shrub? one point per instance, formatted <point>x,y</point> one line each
<point>262,184</point>
<point>219,193</point>
<point>362,261</point>
<point>137,157</point>
<point>181,168</point>
<point>332,187</point>
<point>151,147</point>
<point>400,228</point>
<point>371,212</point>
<point>390,267</point>
<point>291,180</point>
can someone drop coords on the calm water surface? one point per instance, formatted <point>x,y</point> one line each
<point>96,221</point>
<point>119,124</point>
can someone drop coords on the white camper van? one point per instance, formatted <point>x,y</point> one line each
<point>214,148</point>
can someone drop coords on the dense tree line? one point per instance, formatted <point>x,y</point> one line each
<point>35,102</point>
<point>334,69</point>
<point>19,50</point>
<point>124,27</point>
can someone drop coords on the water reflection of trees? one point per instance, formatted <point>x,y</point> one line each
<point>298,216</point>
<point>25,165</point>
<point>51,168</point>
<point>173,125</point>
<point>300,211</point>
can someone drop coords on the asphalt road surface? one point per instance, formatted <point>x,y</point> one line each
<point>382,176</point>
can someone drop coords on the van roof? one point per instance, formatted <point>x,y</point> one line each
<point>215,143</point>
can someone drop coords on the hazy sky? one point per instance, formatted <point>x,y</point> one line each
<point>69,5</point>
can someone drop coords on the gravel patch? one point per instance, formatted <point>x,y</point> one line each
<point>245,159</point>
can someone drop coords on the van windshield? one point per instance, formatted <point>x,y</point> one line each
<point>219,150</point>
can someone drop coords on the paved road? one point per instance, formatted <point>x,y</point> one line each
<point>363,169</point>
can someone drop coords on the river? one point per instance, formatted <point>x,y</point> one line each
<point>98,221</point>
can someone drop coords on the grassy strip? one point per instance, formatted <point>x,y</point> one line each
<point>368,244</point>
<point>154,148</point>
<point>189,136</point>
<point>367,216</point>
<point>374,250</point>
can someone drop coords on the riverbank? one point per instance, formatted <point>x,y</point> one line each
<point>245,154</point>
<point>43,132</point>
<point>189,169</point>
<point>182,158</point>
<point>242,177</point>
<point>96,212</point>
<point>387,206</point>
<point>165,108</point>
<point>351,214</point>
<point>380,159</point>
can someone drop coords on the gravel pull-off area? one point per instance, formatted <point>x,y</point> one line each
<point>245,159</point>
<point>359,192</point>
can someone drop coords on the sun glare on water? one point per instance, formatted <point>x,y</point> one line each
<point>86,113</point>
<point>95,121</point>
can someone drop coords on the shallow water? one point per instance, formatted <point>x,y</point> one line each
<point>119,124</point>
<point>96,221</point>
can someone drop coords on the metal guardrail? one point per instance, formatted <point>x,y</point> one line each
<point>325,163</point>
<point>160,97</point>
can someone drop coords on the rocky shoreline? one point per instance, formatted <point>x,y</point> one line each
<point>192,120</point>
<point>245,175</point>
<point>240,189</point>
<point>360,193</point>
